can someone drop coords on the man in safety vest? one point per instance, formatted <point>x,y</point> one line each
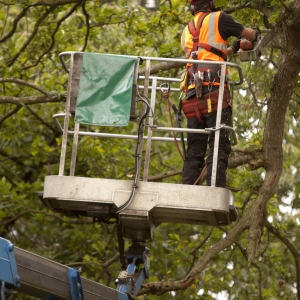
<point>206,38</point>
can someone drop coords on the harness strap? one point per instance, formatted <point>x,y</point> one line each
<point>213,50</point>
<point>195,31</point>
<point>198,113</point>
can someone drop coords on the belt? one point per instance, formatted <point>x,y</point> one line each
<point>211,73</point>
<point>206,80</point>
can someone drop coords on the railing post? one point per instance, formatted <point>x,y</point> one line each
<point>218,124</point>
<point>67,120</point>
<point>74,148</point>
<point>149,137</point>
<point>145,93</point>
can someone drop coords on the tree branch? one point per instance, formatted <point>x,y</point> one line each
<point>163,66</point>
<point>55,216</point>
<point>52,97</point>
<point>26,83</point>
<point>52,128</point>
<point>241,157</point>
<point>292,249</point>
<point>34,32</point>
<point>159,288</point>
<point>53,36</point>
<point>15,23</point>
<point>87,24</point>
<point>54,3</point>
<point>10,113</point>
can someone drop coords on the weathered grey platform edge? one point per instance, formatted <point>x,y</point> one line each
<point>148,194</point>
<point>162,199</point>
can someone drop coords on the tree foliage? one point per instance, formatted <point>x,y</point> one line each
<point>258,256</point>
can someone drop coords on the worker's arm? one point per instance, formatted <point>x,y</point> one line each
<point>229,27</point>
<point>247,33</point>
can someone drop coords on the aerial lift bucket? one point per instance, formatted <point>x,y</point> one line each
<point>102,91</point>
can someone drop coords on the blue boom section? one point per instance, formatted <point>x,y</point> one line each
<point>8,265</point>
<point>42,278</point>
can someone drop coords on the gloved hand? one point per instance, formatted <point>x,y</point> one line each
<point>236,46</point>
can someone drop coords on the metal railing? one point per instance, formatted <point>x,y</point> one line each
<point>146,78</point>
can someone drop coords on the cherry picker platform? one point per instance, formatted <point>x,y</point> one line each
<point>103,90</point>
<point>152,203</point>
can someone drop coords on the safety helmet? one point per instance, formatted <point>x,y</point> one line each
<point>210,2</point>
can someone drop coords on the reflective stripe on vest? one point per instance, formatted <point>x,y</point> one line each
<point>183,43</point>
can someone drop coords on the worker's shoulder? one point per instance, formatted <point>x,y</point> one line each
<point>228,20</point>
<point>224,17</point>
<point>228,26</point>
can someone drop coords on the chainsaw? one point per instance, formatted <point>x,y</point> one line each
<point>251,50</point>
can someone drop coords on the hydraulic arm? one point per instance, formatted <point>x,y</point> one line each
<point>131,279</point>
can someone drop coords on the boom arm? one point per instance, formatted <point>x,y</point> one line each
<point>42,278</point>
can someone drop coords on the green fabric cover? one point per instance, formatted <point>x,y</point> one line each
<point>105,89</point>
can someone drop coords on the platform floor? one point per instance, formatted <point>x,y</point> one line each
<point>154,203</point>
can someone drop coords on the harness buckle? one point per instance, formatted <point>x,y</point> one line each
<point>194,54</point>
<point>165,88</point>
<point>209,75</point>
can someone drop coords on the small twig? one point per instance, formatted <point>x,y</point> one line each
<point>283,4</point>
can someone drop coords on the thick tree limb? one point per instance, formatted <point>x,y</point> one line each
<point>240,157</point>
<point>159,288</point>
<point>163,66</point>
<point>283,84</point>
<point>288,69</point>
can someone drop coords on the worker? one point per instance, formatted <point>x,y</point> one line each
<point>202,87</point>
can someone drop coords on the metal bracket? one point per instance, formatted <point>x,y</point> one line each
<point>75,284</point>
<point>130,281</point>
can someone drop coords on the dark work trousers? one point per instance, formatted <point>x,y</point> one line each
<point>197,146</point>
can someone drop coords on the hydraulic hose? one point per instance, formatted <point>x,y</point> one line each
<point>137,156</point>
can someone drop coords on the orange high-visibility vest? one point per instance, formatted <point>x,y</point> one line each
<point>209,34</point>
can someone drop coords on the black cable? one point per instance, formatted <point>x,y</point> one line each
<point>178,118</point>
<point>137,155</point>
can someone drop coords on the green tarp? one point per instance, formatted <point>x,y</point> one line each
<point>105,89</point>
